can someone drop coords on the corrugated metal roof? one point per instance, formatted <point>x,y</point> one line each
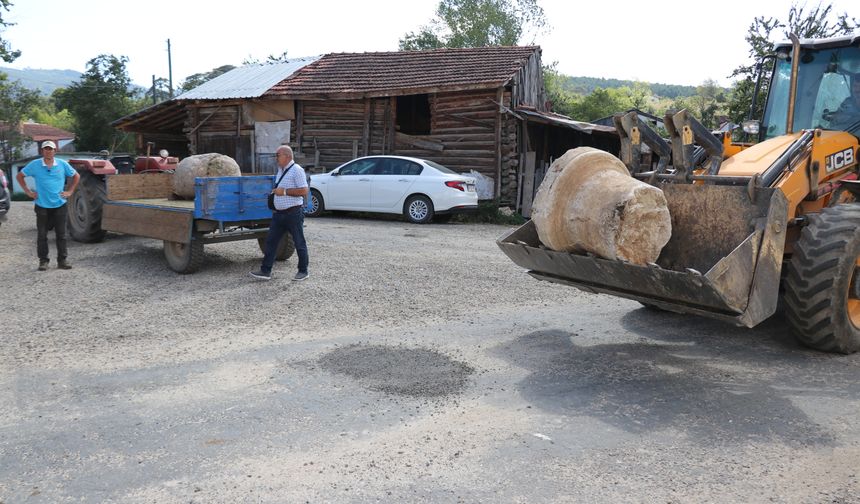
<point>560,120</point>
<point>246,82</point>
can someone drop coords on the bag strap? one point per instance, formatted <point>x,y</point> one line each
<point>283,174</point>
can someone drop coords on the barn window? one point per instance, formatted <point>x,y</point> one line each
<point>413,114</point>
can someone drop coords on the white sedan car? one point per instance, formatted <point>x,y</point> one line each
<point>417,188</point>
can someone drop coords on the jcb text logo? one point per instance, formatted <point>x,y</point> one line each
<point>839,160</point>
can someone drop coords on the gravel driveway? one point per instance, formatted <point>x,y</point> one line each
<point>416,364</point>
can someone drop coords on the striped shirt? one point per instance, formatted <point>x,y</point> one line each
<point>294,179</point>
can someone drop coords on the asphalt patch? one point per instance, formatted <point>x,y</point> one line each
<point>413,372</point>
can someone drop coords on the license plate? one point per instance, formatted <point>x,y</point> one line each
<point>470,187</point>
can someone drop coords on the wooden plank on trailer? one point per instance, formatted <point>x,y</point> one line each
<point>158,223</point>
<point>528,191</point>
<point>143,185</point>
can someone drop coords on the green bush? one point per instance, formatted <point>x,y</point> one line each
<point>19,196</point>
<point>488,213</point>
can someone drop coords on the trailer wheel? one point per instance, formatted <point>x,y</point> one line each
<point>85,209</point>
<point>822,289</point>
<point>184,257</point>
<point>285,247</point>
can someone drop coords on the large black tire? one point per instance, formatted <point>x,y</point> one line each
<point>184,257</point>
<point>822,288</point>
<point>285,249</point>
<point>85,209</point>
<point>317,204</point>
<point>418,209</point>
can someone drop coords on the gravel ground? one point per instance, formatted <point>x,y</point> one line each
<point>416,364</point>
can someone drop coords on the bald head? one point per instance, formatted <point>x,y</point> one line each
<point>284,155</point>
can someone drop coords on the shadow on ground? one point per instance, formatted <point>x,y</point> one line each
<point>706,379</point>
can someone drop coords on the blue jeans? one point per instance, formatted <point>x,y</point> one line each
<point>286,221</point>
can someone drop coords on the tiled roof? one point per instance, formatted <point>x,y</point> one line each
<point>383,73</point>
<point>39,132</point>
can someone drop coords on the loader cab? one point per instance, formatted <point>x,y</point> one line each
<point>826,71</point>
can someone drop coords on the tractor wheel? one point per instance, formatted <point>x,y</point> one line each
<point>85,209</point>
<point>184,257</point>
<point>822,288</point>
<point>285,248</point>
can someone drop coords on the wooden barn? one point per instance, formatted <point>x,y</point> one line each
<point>478,110</point>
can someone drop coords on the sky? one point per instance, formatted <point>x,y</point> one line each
<point>655,41</point>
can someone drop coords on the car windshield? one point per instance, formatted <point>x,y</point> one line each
<point>443,169</point>
<point>824,96</point>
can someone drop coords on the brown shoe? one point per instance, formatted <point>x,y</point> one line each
<point>63,265</point>
<point>43,265</point>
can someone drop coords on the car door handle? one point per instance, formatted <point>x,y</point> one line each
<point>403,180</point>
<point>364,180</point>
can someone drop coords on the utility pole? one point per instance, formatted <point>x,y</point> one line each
<point>169,70</point>
<point>154,100</point>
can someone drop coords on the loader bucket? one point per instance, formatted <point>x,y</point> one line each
<point>722,261</point>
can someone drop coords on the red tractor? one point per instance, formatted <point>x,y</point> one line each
<point>85,204</point>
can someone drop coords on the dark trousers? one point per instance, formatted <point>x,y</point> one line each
<point>287,221</point>
<point>47,218</point>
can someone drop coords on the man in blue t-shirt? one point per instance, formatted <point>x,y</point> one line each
<point>50,197</point>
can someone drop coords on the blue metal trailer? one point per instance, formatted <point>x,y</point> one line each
<point>224,209</point>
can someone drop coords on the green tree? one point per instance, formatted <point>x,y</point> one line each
<point>6,52</point>
<point>818,22</point>
<point>16,103</point>
<point>102,95</point>
<point>194,80</point>
<point>477,23</point>
<point>270,59</point>
<point>708,102</point>
<point>45,112</point>
<point>562,100</point>
<point>601,103</point>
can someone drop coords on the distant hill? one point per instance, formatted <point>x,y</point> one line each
<point>45,81</point>
<point>585,85</point>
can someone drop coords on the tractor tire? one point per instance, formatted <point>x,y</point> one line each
<point>822,288</point>
<point>184,258</point>
<point>285,248</point>
<point>85,209</point>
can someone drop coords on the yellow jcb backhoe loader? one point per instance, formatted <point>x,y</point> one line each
<point>750,222</point>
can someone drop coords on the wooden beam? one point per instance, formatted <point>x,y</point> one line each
<point>499,96</point>
<point>419,142</point>
<point>299,125</point>
<point>392,118</point>
<point>469,120</point>
<point>365,133</point>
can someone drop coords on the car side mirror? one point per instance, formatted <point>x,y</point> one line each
<point>335,173</point>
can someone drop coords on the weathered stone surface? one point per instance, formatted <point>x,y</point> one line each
<point>202,165</point>
<point>588,202</point>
